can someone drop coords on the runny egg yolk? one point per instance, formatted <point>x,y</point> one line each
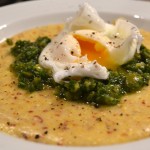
<point>95,51</point>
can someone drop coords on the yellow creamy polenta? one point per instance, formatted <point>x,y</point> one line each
<point>41,117</point>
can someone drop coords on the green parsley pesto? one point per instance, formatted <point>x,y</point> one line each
<point>128,78</point>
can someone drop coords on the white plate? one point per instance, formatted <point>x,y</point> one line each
<point>19,17</point>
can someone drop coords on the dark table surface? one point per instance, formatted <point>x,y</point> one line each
<point>7,2</point>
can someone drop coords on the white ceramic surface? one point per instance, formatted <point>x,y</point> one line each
<point>18,17</point>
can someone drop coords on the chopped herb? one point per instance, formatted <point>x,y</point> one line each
<point>9,42</point>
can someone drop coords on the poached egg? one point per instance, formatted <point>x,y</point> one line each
<point>88,46</point>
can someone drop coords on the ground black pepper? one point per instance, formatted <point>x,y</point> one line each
<point>37,136</point>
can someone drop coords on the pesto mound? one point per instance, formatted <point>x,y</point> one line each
<point>127,78</point>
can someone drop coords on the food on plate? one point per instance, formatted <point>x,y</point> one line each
<point>31,60</point>
<point>88,46</point>
<point>89,60</point>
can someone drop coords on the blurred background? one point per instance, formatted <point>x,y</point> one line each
<point>7,2</point>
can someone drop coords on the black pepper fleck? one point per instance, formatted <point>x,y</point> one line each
<point>72,52</point>
<point>94,62</point>
<point>121,114</point>
<point>46,58</point>
<point>8,123</point>
<point>37,136</point>
<point>46,132</point>
<point>115,36</point>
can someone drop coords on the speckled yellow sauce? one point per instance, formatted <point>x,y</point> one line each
<point>41,117</point>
